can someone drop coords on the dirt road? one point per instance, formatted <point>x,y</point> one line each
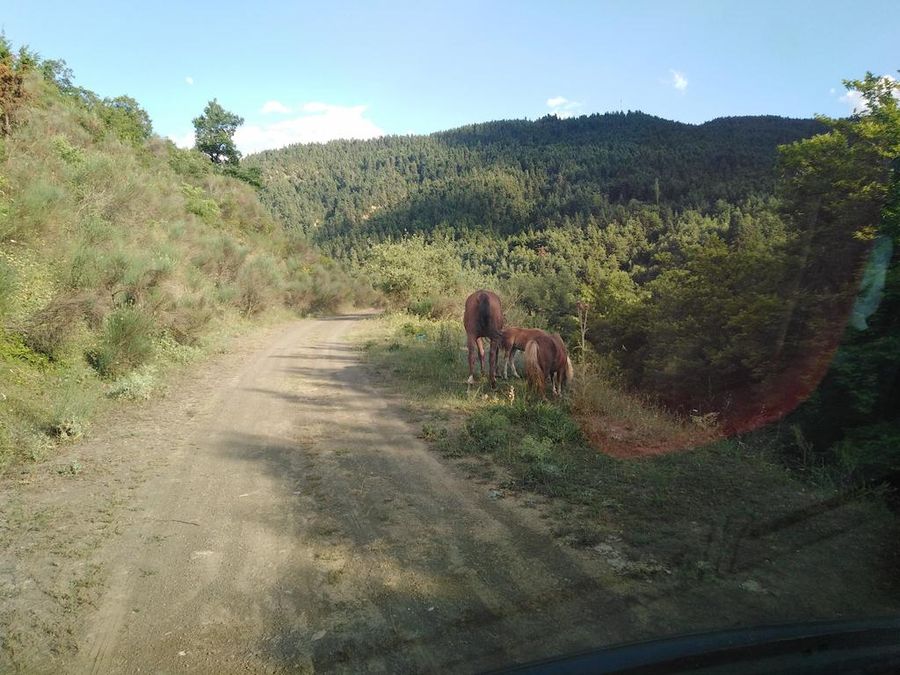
<point>287,519</point>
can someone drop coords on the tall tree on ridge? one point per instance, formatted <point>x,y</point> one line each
<point>214,133</point>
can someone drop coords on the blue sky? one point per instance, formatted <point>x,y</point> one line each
<point>364,68</point>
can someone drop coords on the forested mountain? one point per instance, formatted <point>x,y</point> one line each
<point>510,176</point>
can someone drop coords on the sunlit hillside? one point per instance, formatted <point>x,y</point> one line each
<point>119,254</point>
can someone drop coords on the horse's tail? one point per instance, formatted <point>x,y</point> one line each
<point>570,371</point>
<point>533,371</point>
<point>482,313</point>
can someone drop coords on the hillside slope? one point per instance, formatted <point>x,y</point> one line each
<point>510,176</point>
<point>119,255</point>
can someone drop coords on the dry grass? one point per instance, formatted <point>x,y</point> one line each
<point>622,425</point>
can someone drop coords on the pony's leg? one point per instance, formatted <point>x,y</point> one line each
<point>471,345</point>
<point>511,360</point>
<point>494,355</point>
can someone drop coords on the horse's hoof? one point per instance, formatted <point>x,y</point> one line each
<point>471,380</point>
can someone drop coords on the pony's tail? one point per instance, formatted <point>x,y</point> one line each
<point>570,371</point>
<point>533,371</point>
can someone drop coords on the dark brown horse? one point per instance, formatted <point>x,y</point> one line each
<point>546,357</point>
<point>483,318</point>
<point>513,339</point>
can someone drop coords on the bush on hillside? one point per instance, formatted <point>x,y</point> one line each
<point>258,283</point>
<point>50,331</point>
<point>126,342</point>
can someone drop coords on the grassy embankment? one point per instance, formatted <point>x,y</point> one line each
<point>715,514</point>
<point>121,258</point>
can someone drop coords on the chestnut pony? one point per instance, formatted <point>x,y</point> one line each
<point>483,317</point>
<point>514,338</point>
<point>546,356</point>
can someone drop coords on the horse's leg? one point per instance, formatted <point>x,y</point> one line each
<point>480,343</point>
<point>509,361</point>
<point>495,353</point>
<point>471,345</point>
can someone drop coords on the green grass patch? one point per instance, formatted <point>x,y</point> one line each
<point>138,385</point>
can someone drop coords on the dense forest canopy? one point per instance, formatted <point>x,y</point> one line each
<point>509,176</point>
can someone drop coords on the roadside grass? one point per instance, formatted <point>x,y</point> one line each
<point>700,511</point>
<point>426,356</point>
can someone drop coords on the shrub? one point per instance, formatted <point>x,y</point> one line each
<point>299,294</point>
<point>447,343</point>
<point>198,204</point>
<point>66,151</point>
<point>12,347</point>
<point>35,209</point>
<point>188,163</point>
<point>20,441</point>
<point>189,317</point>
<point>328,293</point>
<point>239,207</point>
<point>144,273</point>
<point>50,330</point>
<point>412,269</point>
<point>127,342</point>
<point>70,411</point>
<point>85,269</point>
<point>869,455</point>
<point>222,258</point>
<point>257,284</point>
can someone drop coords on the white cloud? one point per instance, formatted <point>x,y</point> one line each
<point>189,79</point>
<point>274,107</point>
<point>321,122</point>
<point>855,101</point>
<point>679,80</point>
<point>185,140</point>
<point>563,107</point>
<point>316,106</point>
